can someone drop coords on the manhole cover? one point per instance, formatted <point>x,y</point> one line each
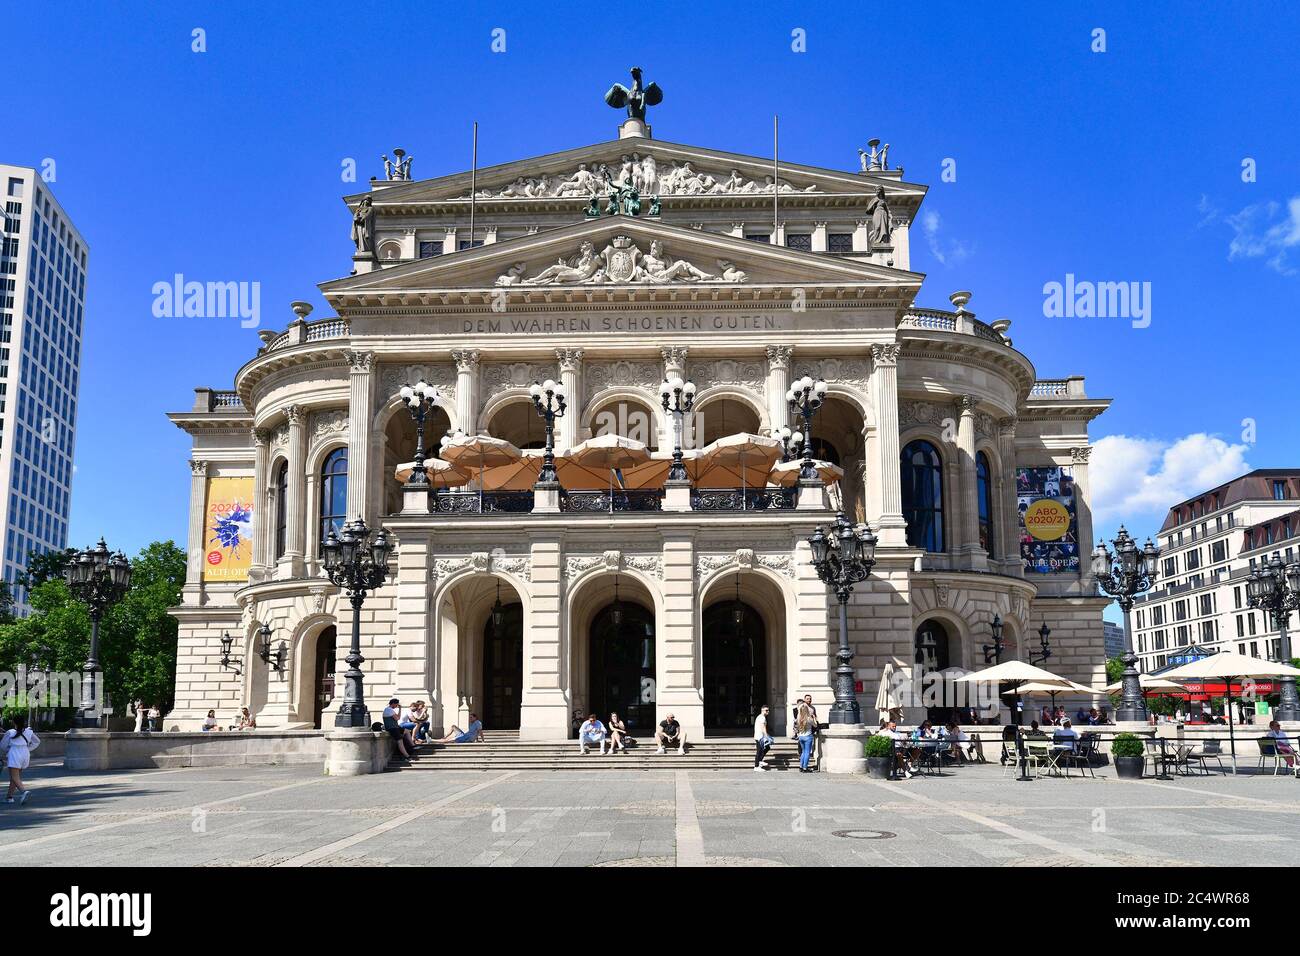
<point>864,834</point>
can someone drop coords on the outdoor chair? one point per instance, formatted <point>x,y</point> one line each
<point>1268,748</point>
<point>1011,766</point>
<point>1212,750</point>
<point>1161,757</point>
<point>1041,758</point>
<point>1081,757</point>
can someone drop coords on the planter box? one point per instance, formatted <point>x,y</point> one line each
<point>1128,768</point>
<point>880,767</point>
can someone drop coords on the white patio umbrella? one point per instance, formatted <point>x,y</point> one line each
<point>1148,682</point>
<point>611,453</point>
<point>480,452</point>
<point>721,462</point>
<point>1015,672</point>
<point>1041,689</point>
<point>1228,666</point>
<point>441,474</point>
<point>786,473</point>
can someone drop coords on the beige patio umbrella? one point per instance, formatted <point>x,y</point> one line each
<point>522,474</point>
<point>786,473</point>
<point>1015,672</point>
<point>1040,689</point>
<point>736,461</point>
<point>1228,666</point>
<point>479,452</point>
<point>611,453</point>
<point>441,474</point>
<point>1148,681</point>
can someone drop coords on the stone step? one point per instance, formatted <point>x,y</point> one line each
<point>716,754</point>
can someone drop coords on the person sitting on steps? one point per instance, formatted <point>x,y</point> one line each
<point>670,734</point>
<point>591,733</point>
<point>470,735</point>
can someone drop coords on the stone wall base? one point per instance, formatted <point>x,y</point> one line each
<point>91,750</point>
<point>844,748</point>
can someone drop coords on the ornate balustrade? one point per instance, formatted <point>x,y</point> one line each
<point>743,499</point>
<point>597,502</point>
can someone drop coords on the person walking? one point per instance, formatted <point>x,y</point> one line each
<point>805,728</point>
<point>762,739</point>
<point>16,746</point>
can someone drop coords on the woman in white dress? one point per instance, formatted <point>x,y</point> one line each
<point>17,746</point>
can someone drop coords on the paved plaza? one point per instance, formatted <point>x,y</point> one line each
<point>296,816</point>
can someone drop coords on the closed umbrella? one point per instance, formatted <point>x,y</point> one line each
<point>887,698</point>
<point>1229,666</point>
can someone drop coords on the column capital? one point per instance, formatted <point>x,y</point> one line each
<point>1080,455</point>
<point>261,437</point>
<point>1007,426</point>
<point>198,468</point>
<point>359,361</point>
<point>780,356</point>
<point>296,415</point>
<point>466,359</point>
<point>966,404</point>
<point>674,355</point>
<point>569,359</point>
<point>886,355</point>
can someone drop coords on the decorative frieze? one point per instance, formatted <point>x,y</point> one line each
<point>329,424</point>
<point>502,375</point>
<point>629,374</point>
<point>441,374</point>
<point>483,562</point>
<point>744,559</point>
<point>576,565</point>
<point>644,175</point>
<point>854,373</point>
<point>748,375</point>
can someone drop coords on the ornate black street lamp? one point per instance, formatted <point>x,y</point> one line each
<point>1122,575</point>
<point>1044,642</point>
<point>273,658</point>
<point>842,558</point>
<point>420,399</point>
<point>550,401</point>
<point>993,652</point>
<point>678,399</point>
<point>98,579</point>
<point>358,565</point>
<point>790,442</point>
<point>232,663</point>
<point>805,397</point>
<point>1275,589</point>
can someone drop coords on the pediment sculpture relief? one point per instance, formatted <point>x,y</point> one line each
<point>643,174</point>
<point>620,262</point>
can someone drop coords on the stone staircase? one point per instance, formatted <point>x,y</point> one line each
<point>503,750</point>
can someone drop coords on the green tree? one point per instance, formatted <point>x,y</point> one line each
<point>138,636</point>
<point>44,567</point>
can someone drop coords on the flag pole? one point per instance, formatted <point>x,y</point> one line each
<point>776,185</point>
<point>473,185</point>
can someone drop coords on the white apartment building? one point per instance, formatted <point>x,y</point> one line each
<point>1208,546</point>
<point>42,306</point>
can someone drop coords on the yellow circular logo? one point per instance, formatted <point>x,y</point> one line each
<point>1047,519</point>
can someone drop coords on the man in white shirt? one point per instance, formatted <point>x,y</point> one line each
<point>592,732</point>
<point>762,739</point>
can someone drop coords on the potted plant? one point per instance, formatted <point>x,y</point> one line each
<point>1127,750</point>
<point>880,756</point>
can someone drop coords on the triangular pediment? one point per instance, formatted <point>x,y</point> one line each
<point>675,170</point>
<point>621,252</point>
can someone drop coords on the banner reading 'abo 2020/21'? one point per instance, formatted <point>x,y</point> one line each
<point>1049,530</point>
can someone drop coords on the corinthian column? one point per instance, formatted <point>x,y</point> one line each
<point>969,546</point>
<point>295,517</point>
<point>466,389</point>
<point>891,528</point>
<point>570,365</point>
<point>262,515</point>
<point>360,413</point>
<point>778,383</point>
<point>195,549</point>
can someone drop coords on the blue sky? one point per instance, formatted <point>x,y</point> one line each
<point>1115,166</point>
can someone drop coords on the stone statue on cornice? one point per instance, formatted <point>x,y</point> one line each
<point>363,226</point>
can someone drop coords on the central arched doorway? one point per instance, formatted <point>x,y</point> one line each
<point>503,666</point>
<point>931,645</point>
<point>735,666</point>
<point>621,673</point>
<point>323,678</point>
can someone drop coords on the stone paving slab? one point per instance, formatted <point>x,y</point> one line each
<point>272,816</point>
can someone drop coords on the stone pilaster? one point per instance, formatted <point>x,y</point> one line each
<point>570,361</point>
<point>263,510</point>
<point>411,596</point>
<point>779,358</point>
<point>1083,513</point>
<point>291,563</point>
<point>360,413</point>
<point>1009,536</point>
<point>968,546</point>
<point>544,703</point>
<point>809,656</point>
<point>195,543</point>
<point>675,664</point>
<point>889,524</point>
<point>466,389</point>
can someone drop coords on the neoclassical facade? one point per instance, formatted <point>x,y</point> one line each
<point>706,605</point>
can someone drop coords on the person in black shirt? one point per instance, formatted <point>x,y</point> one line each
<point>670,734</point>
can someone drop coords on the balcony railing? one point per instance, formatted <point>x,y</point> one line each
<point>597,502</point>
<point>489,502</point>
<point>743,499</point>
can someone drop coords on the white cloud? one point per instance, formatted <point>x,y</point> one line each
<point>946,251</point>
<point>1134,478</point>
<point>1266,230</point>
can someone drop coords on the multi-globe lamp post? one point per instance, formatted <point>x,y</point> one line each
<point>356,559</point>
<point>419,399</point>
<point>1275,589</point>
<point>550,401</point>
<point>791,442</point>
<point>678,398</point>
<point>805,397</point>
<point>98,579</point>
<point>843,557</point>
<point>1123,574</point>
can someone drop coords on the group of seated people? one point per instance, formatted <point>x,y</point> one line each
<point>242,721</point>
<point>947,741</point>
<point>412,727</point>
<point>593,733</point>
<point>1092,717</point>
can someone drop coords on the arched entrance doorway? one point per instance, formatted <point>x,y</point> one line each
<point>621,673</point>
<point>323,684</point>
<point>932,654</point>
<point>735,666</point>
<point>503,666</point>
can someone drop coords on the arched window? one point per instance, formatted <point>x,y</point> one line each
<point>984,491</point>
<point>922,481</point>
<point>333,492</point>
<point>281,509</point>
